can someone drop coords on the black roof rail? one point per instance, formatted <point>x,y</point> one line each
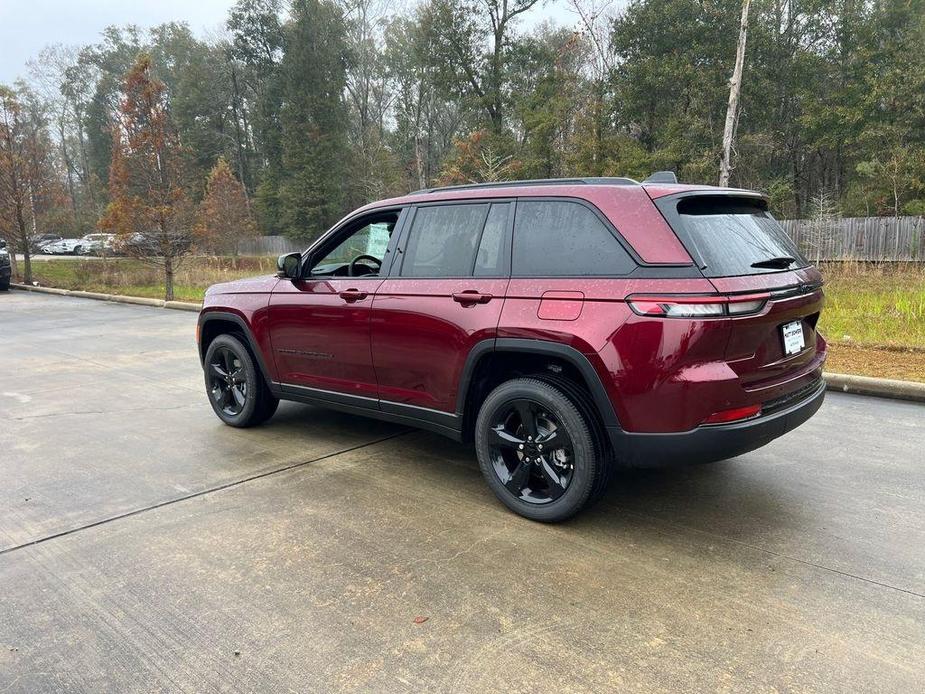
<point>662,177</point>
<point>592,181</point>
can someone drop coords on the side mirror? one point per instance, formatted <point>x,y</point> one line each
<point>289,265</point>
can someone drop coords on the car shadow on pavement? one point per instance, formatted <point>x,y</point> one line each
<point>743,497</point>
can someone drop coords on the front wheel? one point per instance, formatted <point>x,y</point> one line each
<point>236,389</point>
<point>536,450</point>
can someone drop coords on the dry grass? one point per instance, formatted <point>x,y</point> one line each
<point>874,319</point>
<point>875,304</point>
<point>134,278</point>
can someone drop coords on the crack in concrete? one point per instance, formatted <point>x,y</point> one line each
<point>194,495</point>
<point>780,555</point>
<point>86,412</point>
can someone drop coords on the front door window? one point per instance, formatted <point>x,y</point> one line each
<point>361,253</point>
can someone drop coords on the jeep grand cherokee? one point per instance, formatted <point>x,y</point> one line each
<point>565,326</point>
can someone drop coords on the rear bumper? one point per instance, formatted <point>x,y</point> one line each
<point>707,444</point>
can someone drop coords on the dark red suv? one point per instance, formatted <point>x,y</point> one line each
<point>566,326</point>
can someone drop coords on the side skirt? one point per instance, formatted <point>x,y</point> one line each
<point>444,423</point>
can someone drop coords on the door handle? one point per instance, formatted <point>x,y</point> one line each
<point>471,296</point>
<point>351,295</point>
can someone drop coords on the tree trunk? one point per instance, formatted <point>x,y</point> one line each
<point>27,265</point>
<point>24,241</point>
<point>735,86</point>
<point>168,278</point>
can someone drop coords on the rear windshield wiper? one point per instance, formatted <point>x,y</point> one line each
<point>781,262</point>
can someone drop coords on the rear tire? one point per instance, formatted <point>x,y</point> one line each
<point>537,451</point>
<point>234,385</point>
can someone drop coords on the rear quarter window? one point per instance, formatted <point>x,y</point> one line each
<point>565,239</point>
<point>735,236</point>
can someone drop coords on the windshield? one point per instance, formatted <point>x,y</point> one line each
<point>736,237</point>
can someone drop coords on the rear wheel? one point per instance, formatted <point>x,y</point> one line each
<point>536,450</point>
<point>236,389</point>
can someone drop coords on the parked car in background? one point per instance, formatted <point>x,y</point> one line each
<point>42,240</point>
<point>565,327</point>
<point>97,244</point>
<point>63,247</point>
<point>135,244</point>
<point>5,266</point>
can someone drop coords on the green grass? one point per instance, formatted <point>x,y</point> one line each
<point>874,305</point>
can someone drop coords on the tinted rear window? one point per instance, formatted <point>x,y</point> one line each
<point>731,235</point>
<point>565,239</point>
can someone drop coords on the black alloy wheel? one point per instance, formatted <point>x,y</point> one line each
<point>235,386</point>
<point>536,450</point>
<point>531,452</point>
<point>227,381</point>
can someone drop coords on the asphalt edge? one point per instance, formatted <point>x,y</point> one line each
<point>844,383</point>
<point>115,298</point>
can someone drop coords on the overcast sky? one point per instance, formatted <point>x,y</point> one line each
<point>27,26</point>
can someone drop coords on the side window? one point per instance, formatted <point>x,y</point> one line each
<point>558,238</point>
<point>442,240</point>
<point>489,261</point>
<point>367,242</point>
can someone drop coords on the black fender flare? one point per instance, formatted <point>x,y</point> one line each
<point>208,316</point>
<point>545,347</point>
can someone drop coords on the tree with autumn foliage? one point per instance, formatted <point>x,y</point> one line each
<point>149,208</point>
<point>225,217</point>
<point>478,158</point>
<point>27,183</point>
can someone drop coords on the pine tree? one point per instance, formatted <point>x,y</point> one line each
<point>224,214</point>
<point>148,207</point>
<point>314,120</point>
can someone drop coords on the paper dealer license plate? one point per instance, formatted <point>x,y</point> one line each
<point>793,337</point>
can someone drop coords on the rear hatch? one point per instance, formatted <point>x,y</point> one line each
<point>743,250</point>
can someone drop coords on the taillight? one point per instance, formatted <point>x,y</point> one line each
<point>691,306</point>
<point>736,414</point>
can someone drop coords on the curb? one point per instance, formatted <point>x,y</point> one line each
<point>115,298</point>
<point>878,387</point>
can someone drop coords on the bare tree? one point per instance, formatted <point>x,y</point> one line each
<point>732,111</point>
<point>596,19</point>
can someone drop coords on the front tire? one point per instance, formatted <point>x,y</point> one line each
<point>236,389</point>
<point>536,450</point>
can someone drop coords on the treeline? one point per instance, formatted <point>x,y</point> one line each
<point>319,106</point>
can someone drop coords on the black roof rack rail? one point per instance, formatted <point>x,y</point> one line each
<point>662,177</point>
<point>593,181</point>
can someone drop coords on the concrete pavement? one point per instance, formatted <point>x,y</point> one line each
<point>144,546</point>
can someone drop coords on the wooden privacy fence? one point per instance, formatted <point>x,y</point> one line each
<point>852,238</point>
<point>859,238</point>
<point>270,245</point>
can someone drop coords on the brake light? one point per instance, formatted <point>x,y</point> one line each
<point>734,415</point>
<point>691,306</point>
